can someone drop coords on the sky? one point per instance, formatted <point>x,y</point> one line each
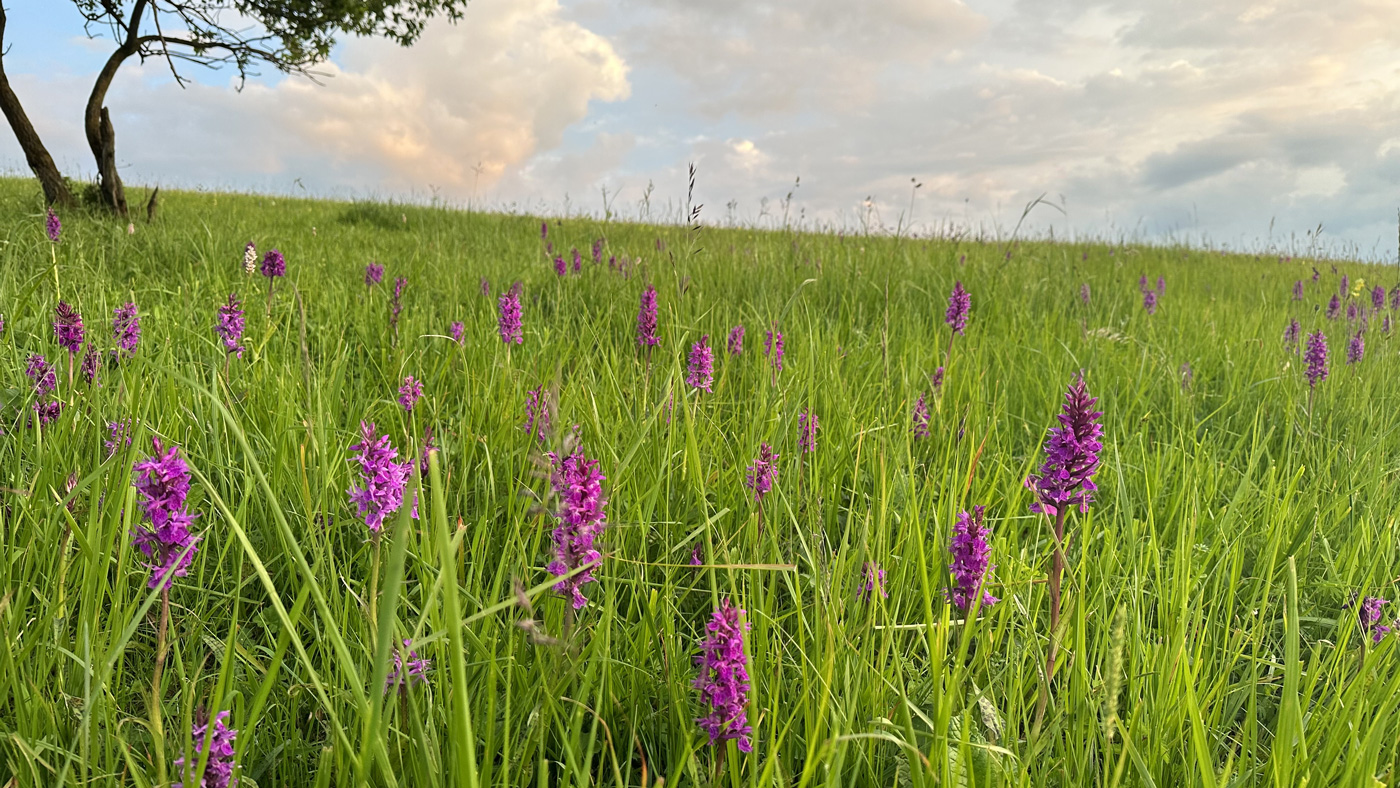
<point>1231,123</point>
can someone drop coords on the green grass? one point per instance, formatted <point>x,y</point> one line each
<point>1233,522</point>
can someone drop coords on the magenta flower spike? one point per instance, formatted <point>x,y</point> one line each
<point>1071,455</point>
<point>407,672</point>
<point>874,582</point>
<point>700,369</point>
<point>1378,297</point>
<point>544,230</point>
<point>118,436</point>
<point>1316,357</point>
<point>485,288</point>
<point>409,393</point>
<point>597,251</point>
<point>230,325</point>
<point>88,369</point>
<point>68,328</point>
<point>1352,312</point>
<point>1298,290</point>
<point>1346,285</point>
<point>1149,301</point>
<point>382,478</point>
<point>1356,348</point>
<point>39,370</point>
<point>762,473</point>
<point>646,319</point>
<point>959,306</point>
<point>578,260</point>
<point>936,379</point>
<point>1395,297</point>
<point>806,432</point>
<point>970,553</point>
<point>374,274</point>
<point>218,768</point>
<point>509,323</point>
<point>723,679</point>
<point>126,329</point>
<point>1161,287</point>
<point>560,267</point>
<point>579,485</point>
<point>736,340</point>
<point>1084,291</point>
<point>920,419</point>
<point>52,226</point>
<point>1291,334</point>
<point>773,349</point>
<point>1334,308</point>
<point>537,418</point>
<point>274,264</point>
<point>163,482</point>
<point>457,330</point>
<point>1369,612</point>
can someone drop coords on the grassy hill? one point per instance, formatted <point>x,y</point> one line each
<point>1206,634</point>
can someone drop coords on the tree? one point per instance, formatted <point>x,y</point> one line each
<point>55,188</point>
<point>290,35</point>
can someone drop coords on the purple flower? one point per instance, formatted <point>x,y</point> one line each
<point>409,393</point>
<point>697,555</point>
<point>736,340</point>
<point>936,379</point>
<point>250,258</point>
<point>1161,287</point>
<point>537,419</point>
<point>700,370</point>
<point>1395,297</point>
<point>1346,284</point>
<point>126,328</point>
<point>1142,283</point>
<point>382,479</point>
<point>579,485</point>
<point>88,369</point>
<point>396,302</point>
<point>1334,307</point>
<point>163,482</point>
<point>1316,274</point>
<point>52,225</point>
<point>806,432</point>
<point>41,372</point>
<point>646,319</point>
<point>68,327</point>
<point>407,672</point>
<point>560,267</point>
<point>48,411</point>
<point>959,304</point>
<point>1356,348</point>
<point>1316,356</point>
<point>1084,289</point>
<point>544,230</point>
<point>578,261</point>
<point>274,264</point>
<point>921,419</point>
<point>1368,614</point>
<point>118,436</point>
<point>874,581</point>
<point>485,288</point>
<point>1149,301</point>
<point>1071,455</point>
<point>970,553</point>
<point>597,251</point>
<point>773,348</point>
<point>1291,334</point>
<point>1298,290</point>
<point>457,330</point>
<point>509,321</point>
<point>374,274</point>
<point>218,769</point>
<point>1378,297</point>
<point>429,446</point>
<point>1352,312</point>
<point>762,472</point>
<point>230,325</point>
<point>723,679</point>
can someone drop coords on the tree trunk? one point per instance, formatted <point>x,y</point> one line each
<point>55,188</point>
<point>97,123</point>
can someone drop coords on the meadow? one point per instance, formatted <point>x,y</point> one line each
<point>1212,629</point>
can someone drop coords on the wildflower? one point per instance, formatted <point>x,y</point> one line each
<point>1346,284</point>
<point>959,303</point>
<point>230,325</point>
<point>560,267</point>
<point>163,482</point>
<point>1385,325</point>
<point>1356,348</point>
<point>218,769</point>
<point>1316,356</point>
<point>39,370</point>
<point>936,379</point>
<point>1316,274</point>
<point>274,264</point>
<point>52,225</point>
<point>700,370</point>
<point>736,340</point>
<point>1149,301</point>
<point>250,258</point>
<point>874,581</point>
<point>509,321</point>
<point>697,555</point>
<point>537,419</point>
<point>1142,283</point>
<point>646,319</point>
<point>970,553</point>
<point>126,328</point>
<point>485,288</point>
<point>921,419</point>
<point>578,261</point>
<point>1334,307</point>
<point>544,230</point>
<point>1161,287</point>
<point>1352,313</point>
<point>68,327</point>
<point>1378,297</point>
<point>762,472</point>
<point>578,483</point>
<point>457,330</point>
<point>1084,288</point>
<point>409,393</point>
<point>597,251</point>
<point>88,369</point>
<point>382,479</point>
<point>409,672</point>
<point>1298,290</point>
<point>1071,455</point>
<point>1369,613</point>
<point>1291,334</point>
<point>773,348</point>
<point>374,274</point>
<point>1395,297</point>
<point>396,302</point>
<point>807,432</point>
<point>429,446</point>
<point>723,679</point>
<point>49,411</point>
<point>118,436</point>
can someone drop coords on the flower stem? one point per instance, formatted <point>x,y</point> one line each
<point>157,729</point>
